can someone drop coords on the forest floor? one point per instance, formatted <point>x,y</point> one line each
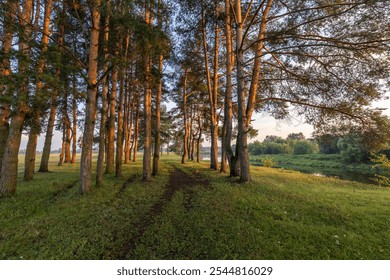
<point>191,212</point>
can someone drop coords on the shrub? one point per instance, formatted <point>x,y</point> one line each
<point>352,149</point>
<point>383,162</point>
<point>304,147</point>
<point>268,162</point>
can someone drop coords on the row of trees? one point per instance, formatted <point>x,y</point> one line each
<point>326,59</point>
<point>104,58</point>
<point>295,143</point>
<point>351,147</point>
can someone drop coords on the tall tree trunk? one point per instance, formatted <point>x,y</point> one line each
<point>74,123</point>
<point>227,152</point>
<point>126,112</point>
<point>37,113</point>
<point>129,126</point>
<point>119,137</point>
<point>9,168</point>
<point>213,91</point>
<point>110,167</point>
<point>61,159</point>
<point>157,137</point>
<point>192,136</point>
<point>198,145</point>
<point>146,169</point>
<point>185,126</point>
<point>44,166</point>
<point>136,128</point>
<point>242,128</point>
<point>200,130</point>
<point>103,118</point>
<point>257,63</point>
<point>5,72</point>
<point>67,140</point>
<point>29,161</point>
<point>89,125</point>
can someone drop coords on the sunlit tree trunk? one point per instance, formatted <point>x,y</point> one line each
<point>44,166</point>
<point>89,124</point>
<point>37,113</point>
<point>9,168</point>
<point>157,137</point>
<point>245,109</point>
<point>74,123</point>
<point>103,118</point>
<point>119,137</point>
<point>61,159</point>
<point>68,139</point>
<point>212,90</point>
<point>146,169</point>
<point>110,167</point>
<point>242,128</point>
<point>227,152</point>
<point>136,128</point>
<point>128,124</point>
<point>5,72</point>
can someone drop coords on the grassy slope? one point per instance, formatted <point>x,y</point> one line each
<point>280,215</point>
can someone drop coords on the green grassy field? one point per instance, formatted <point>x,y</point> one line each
<point>190,212</point>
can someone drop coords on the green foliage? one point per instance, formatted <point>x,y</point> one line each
<point>296,136</point>
<point>383,162</point>
<point>273,145</point>
<point>268,162</point>
<point>303,147</point>
<point>352,149</point>
<point>327,144</point>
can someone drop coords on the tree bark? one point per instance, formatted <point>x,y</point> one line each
<point>146,169</point>
<point>157,136</point>
<point>257,63</point>
<point>35,129</point>
<point>129,125</point>
<point>5,72</point>
<point>103,118</point>
<point>89,125</point>
<point>185,126</point>
<point>74,123</point>
<point>119,137</point>
<point>67,139</point>
<point>110,167</point>
<point>242,121</point>
<point>136,127</point>
<point>9,168</point>
<point>44,166</point>
<point>227,152</point>
<point>61,159</point>
<point>213,91</point>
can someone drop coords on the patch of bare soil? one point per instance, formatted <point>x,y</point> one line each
<point>178,180</point>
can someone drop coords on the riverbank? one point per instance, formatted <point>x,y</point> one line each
<point>329,165</point>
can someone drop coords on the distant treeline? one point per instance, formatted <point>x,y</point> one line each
<point>350,146</point>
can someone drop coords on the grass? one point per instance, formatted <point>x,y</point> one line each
<point>280,215</point>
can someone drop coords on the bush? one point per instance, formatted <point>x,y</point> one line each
<point>304,147</point>
<point>383,162</point>
<point>268,162</point>
<point>352,149</point>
